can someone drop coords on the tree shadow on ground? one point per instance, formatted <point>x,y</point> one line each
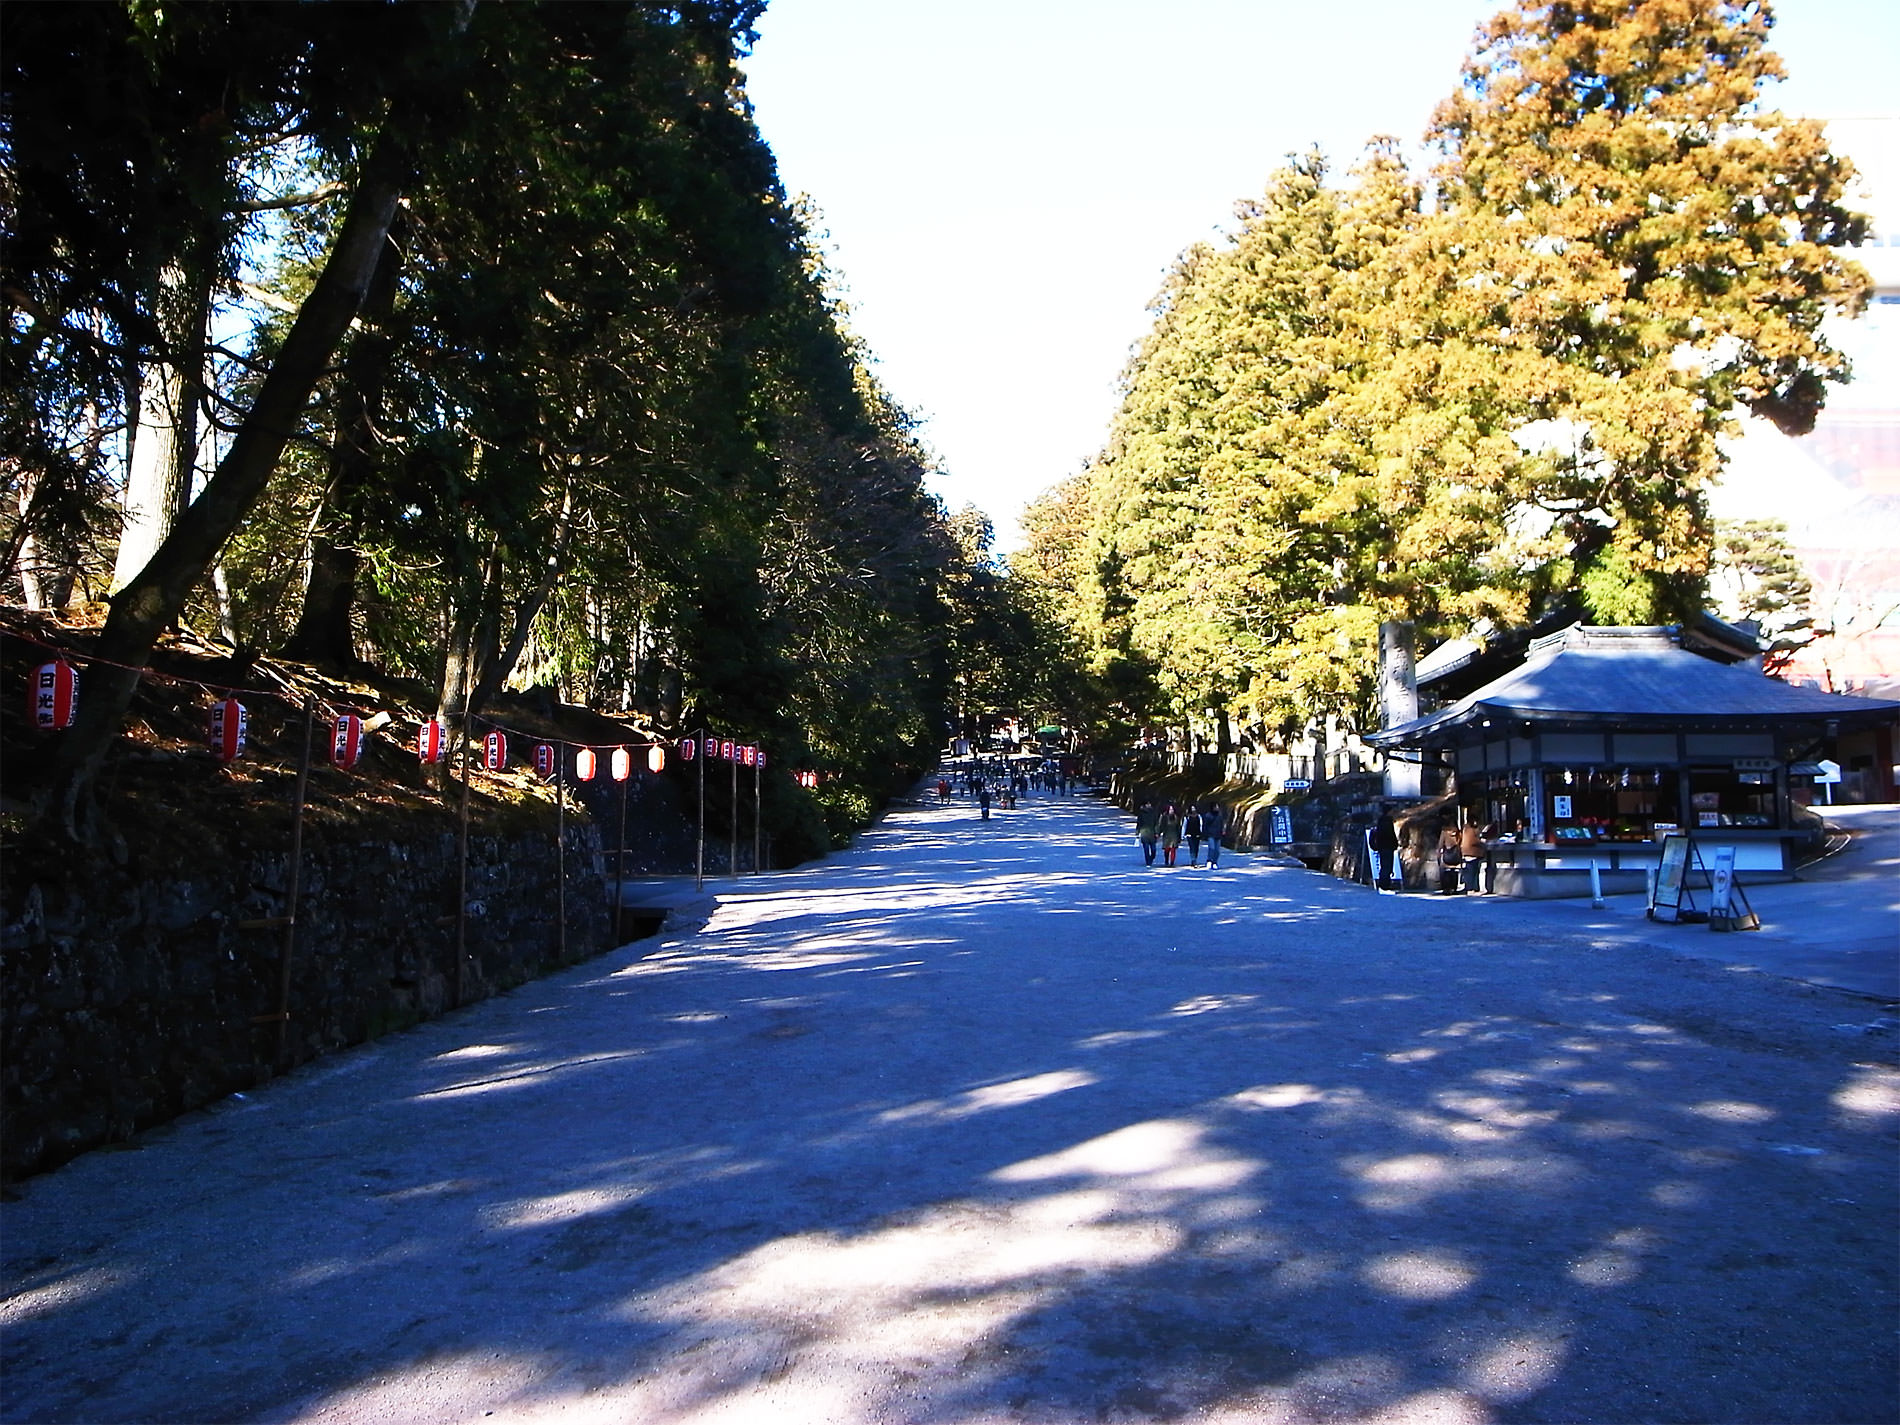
<point>1043,1136</point>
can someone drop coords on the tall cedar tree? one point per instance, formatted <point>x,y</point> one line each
<point>1371,406</point>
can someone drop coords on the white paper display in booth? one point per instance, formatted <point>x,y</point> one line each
<point>346,741</point>
<point>229,722</point>
<point>429,741</point>
<point>621,764</point>
<point>55,695</point>
<point>495,751</point>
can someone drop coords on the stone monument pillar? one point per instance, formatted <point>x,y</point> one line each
<point>1398,702</point>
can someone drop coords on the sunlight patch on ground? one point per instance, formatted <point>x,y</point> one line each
<point>336,1268</point>
<point>1277,1096</point>
<point>1517,1367</point>
<point>1679,1194</point>
<point>442,1387</point>
<point>1365,1388</point>
<point>421,1192</point>
<point>992,1097</point>
<point>559,1207</point>
<point>1618,1261</point>
<point>1210,1004</point>
<point>1162,1155</point>
<point>822,1326</point>
<point>1420,1276</point>
<point>527,1076</point>
<point>62,1293</point>
<point>1730,1111</point>
<point>1414,1180</point>
<point>477,1051</point>
<point>1495,1112</point>
<point>1119,1036</point>
<point>1432,1407</point>
<point>1870,1098</point>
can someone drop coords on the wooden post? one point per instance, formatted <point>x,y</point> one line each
<point>758,817</point>
<point>620,853</point>
<point>461,888</point>
<point>560,847</point>
<point>285,959</point>
<point>699,863</point>
<point>732,861</point>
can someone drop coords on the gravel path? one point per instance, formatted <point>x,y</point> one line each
<point>986,1122</point>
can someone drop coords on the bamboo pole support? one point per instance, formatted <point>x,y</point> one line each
<point>286,957</point>
<point>461,888</point>
<point>560,846</point>
<point>620,854</point>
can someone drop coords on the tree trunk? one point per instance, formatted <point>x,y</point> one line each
<point>325,632</point>
<point>495,670</point>
<point>145,607</point>
<point>164,440</point>
<point>24,558</point>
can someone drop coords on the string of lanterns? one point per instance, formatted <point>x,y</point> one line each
<point>54,706</point>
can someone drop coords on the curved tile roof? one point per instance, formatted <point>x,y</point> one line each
<point>1602,677</point>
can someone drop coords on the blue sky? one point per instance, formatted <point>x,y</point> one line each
<point>1005,182</point>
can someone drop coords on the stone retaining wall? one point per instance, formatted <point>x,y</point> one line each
<point>125,1001</point>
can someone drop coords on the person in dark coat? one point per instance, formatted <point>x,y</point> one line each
<point>1213,823</point>
<point>1385,848</point>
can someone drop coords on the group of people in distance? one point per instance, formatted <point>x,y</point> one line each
<point>1004,784</point>
<point>1164,825</point>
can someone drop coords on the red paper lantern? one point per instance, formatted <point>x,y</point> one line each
<point>495,752</point>
<point>346,741</point>
<point>429,741</point>
<point>229,722</point>
<point>621,763</point>
<point>725,750</point>
<point>656,758</point>
<point>584,764</point>
<point>544,759</point>
<point>712,748</point>
<point>689,748</point>
<point>760,751</point>
<point>55,695</point>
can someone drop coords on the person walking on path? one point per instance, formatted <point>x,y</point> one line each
<point>1170,832</point>
<point>1213,823</point>
<point>1192,829</point>
<point>983,798</point>
<point>1147,823</point>
<point>1471,847</point>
